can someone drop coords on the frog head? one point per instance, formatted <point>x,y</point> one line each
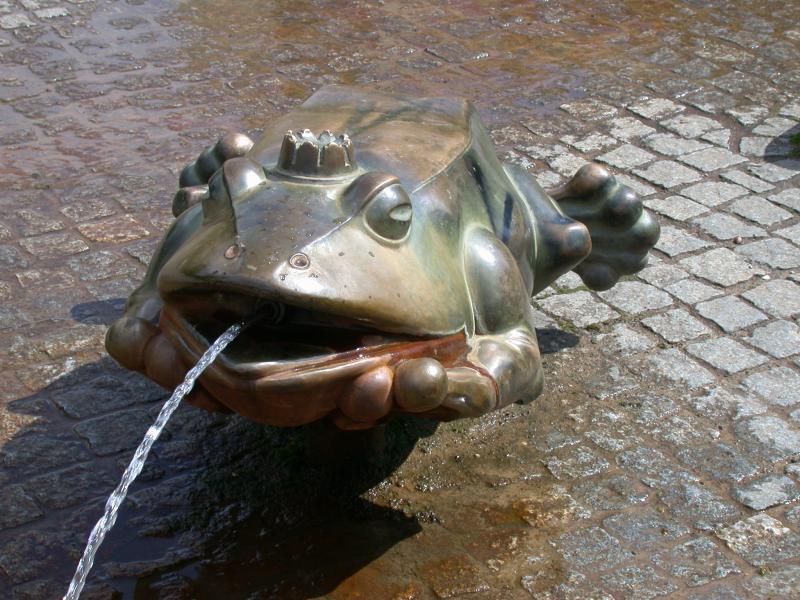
<point>338,269</point>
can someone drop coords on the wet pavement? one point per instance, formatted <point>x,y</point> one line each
<point>661,460</point>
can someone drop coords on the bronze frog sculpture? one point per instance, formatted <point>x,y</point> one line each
<point>390,266</point>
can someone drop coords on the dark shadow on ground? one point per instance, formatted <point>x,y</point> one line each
<point>224,506</point>
<point>553,340</point>
<point>99,312</point>
<point>784,149</point>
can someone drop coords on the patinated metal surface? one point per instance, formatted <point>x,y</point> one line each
<point>390,265</point>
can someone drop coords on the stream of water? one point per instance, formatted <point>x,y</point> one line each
<point>116,498</point>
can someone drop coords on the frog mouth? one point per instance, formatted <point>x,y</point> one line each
<point>287,346</point>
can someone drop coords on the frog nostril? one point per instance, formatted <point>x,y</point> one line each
<point>299,261</point>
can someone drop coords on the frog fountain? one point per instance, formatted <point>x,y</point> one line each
<point>305,282</point>
<point>390,265</point>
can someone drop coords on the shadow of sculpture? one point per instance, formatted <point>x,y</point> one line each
<point>784,149</point>
<point>237,504</point>
<point>224,506</point>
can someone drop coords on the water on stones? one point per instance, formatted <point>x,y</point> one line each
<point>136,465</point>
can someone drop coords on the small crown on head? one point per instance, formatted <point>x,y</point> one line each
<point>306,155</point>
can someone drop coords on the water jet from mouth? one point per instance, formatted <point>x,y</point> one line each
<point>116,498</point>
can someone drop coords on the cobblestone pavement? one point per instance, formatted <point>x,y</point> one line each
<point>661,461</point>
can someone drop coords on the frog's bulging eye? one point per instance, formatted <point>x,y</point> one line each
<point>389,212</point>
<point>218,201</point>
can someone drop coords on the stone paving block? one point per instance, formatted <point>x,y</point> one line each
<point>628,128</point>
<point>581,308</point>
<point>590,547</point>
<point>790,110</point>
<point>692,291</point>
<point>676,325</point>
<point>730,313</point>
<point>775,172</point>
<point>767,491</point>
<point>653,468</point>
<point>454,577</point>
<point>589,110</point>
<point>690,126</point>
<point>721,403</point>
<point>713,193</point>
<point>695,503</point>
<point>117,229</point>
<point>615,493</point>
<point>37,452</point>
<point>662,275</point>
<point>15,21</point>
<point>775,127</point>
<point>696,562</point>
<point>567,164</point>
<point>646,528</point>
<point>780,385</point>
<point>18,507</point>
<point>54,245</point>
<point>764,147</point>
<point>656,108</point>
<point>668,174</point>
<point>759,210</point>
<point>789,198</point>
<point>576,462</point>
<point>676,207</point>
<point>115,432</point>
<point>726,355</point>
<point>761,540</point>
<point>590,143</point>
<point>639,187</point>
<point>726,227</point>
<point>634,297</point>
<point>679,431</point>
<point>748,115</point>
<point>101,264</point>
<point>626,156</point>
<point>790,233</point>
<point>672,145</point>
<point>719,460</point>
<point>768,437</point>
<point>773,252</point>
<point>641,583</point>
<point>719,137</point>
<point>71,486</point>
<point>779,338</point>
<point>712,159</point>
<point>780,582</point>
<point>720,266</point>
<point>676,366</point>
<point>624,340</point>
<point>753,184</point>
<point>675,241</point>
<point>780,298</point>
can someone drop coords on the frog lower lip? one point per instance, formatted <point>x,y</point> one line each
<point>267,348</point>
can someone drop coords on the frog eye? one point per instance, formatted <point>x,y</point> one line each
<point>218,201</point>
<point>389,212</point>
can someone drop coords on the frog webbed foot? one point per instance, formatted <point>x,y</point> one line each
<point>622,231</point>
<point>195,176</point>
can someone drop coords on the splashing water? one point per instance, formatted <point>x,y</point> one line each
<point>114,501</point>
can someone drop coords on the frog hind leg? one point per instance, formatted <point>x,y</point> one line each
<point>561,243</point>
<point>622,231</point>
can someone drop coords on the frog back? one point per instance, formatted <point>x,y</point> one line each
<point>414,139</point>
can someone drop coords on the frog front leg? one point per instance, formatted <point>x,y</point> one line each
<point>503,364</point>
<point>135,339</point>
